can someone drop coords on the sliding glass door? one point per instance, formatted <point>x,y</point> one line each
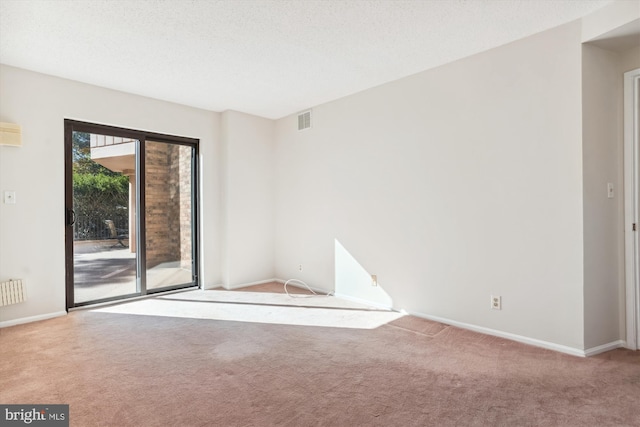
<point>168,214</point>
<point>131,217</point>
<point>104,257</point>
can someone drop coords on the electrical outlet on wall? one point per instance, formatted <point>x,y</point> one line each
<point>299,267</point>
<point>496,302</point>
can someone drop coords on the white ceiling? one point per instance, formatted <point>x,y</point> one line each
<point>270,58</point>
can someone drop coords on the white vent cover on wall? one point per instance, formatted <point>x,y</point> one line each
<point>10,134</point>
<point>304,120</point>
<point>12,292</point>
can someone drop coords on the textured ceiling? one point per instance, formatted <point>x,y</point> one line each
<point>268,58</point>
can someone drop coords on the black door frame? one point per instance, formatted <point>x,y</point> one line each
<point>71,126</point>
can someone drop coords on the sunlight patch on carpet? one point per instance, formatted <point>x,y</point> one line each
<point>259,307</point>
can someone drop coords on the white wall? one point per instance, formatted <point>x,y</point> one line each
<point>613,47</point>
<point>354,282</point>
<point>602,164</point>
<point>450,185</point>
<point>32,231</point>
<point>630,59</point>
<point>248,202</point>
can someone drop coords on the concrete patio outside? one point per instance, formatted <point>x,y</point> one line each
<point>104,270</point>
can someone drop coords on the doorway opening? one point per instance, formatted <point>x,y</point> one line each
<point>131,224</point>
<point>632,205</point>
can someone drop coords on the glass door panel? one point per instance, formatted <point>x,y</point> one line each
<point>103,197</point>
<point>130,226</point>
<point>169,215</point>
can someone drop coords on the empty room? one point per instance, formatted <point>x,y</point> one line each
<point>320,213</point>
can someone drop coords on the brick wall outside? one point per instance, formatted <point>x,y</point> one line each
<point>181,180</point>
<point>168,204</point>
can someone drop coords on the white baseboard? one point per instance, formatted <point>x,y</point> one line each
<point>365,302</point>
<point>604,347</point>
<point>513,337</point>
<point>30,319</point>
<point>244,285</point>
<point>298,285</point>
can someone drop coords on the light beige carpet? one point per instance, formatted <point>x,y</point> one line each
<point>119,369</point>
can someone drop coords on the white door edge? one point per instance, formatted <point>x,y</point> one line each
<point>631,166</point>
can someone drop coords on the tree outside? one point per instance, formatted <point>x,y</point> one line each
<point>98,193</point>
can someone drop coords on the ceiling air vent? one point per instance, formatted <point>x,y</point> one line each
<point>304,120</point>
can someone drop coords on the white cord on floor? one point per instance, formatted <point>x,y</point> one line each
<point>307,286</point>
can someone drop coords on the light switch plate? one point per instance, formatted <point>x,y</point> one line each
<point>610,192</point>
<point>10,197</point>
